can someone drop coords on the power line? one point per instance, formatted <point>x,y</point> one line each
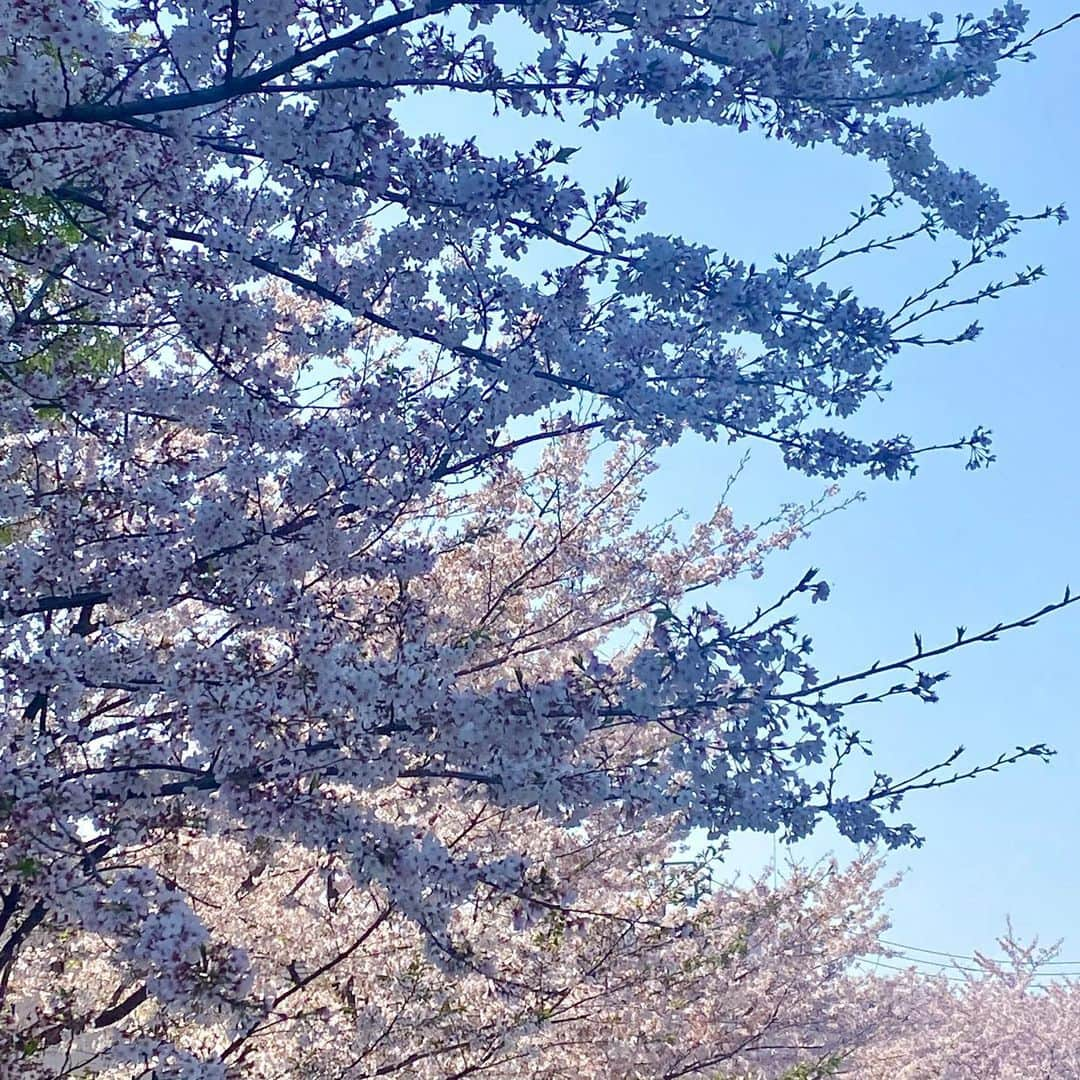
<point>970,959</point>
<point>1034,971</point>
<point>982,970</point>
<point>950,977</point>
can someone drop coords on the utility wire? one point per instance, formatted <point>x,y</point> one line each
<point>972,959</point>
<point>894,955</point>
<point>1035,977</point>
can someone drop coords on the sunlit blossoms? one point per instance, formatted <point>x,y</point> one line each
<point>342,678</point>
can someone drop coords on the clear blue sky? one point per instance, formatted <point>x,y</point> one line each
<point>949,546</point>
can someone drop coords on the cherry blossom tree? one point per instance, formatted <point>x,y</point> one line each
<point>285,611</point>
<point>200,147</point>
<point>263,951</point>
<point>629,979</point>
<point>1009,1019</point>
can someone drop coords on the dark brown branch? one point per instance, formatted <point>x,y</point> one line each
<point>124,1008</point>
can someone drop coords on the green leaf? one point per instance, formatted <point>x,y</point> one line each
<point>28,867</point>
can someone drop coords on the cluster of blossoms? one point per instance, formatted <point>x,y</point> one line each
<point>462,720</point>
<point>622,969</point>
<point>201,147</point>
<point>286,618</point>
<point>634,966</point>
<point>1010,1019</point>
